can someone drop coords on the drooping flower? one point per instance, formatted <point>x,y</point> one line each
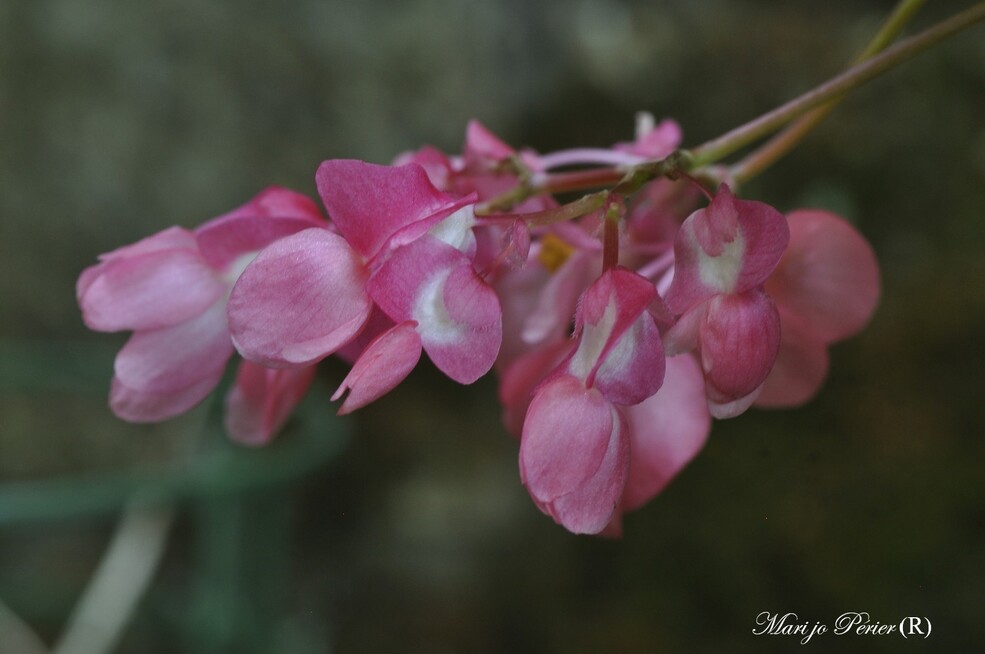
<point>574,449</point>
<point>724,253</point>
<point>170,289</point>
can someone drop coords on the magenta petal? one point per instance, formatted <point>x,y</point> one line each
<point>829,276</point>
<point>370,203</point>
<point>738,338</point>
<point>666,431</point>
<point>262,399</point>
<point>142,406</point>
<point>383,364</point>
<point>167,360</point>
<point>149,290</point>
<point>481,145</point>
<point>800,368</point>
<point>300,300</point>
<point>574,455</point>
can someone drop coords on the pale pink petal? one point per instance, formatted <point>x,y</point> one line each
<point>262,399</point>
<point>458,315</point>
<point>383,364</point>
<point>173,238</point>
<point>300,300</point>
<point>557,302</point>
<point>148,290</point>
<point>829,276</point>
<point>738,338</point>
<point>682,337</point>
<point>169,359</point>
<point>435,162</point>
<point>654,141</point>
<point>273,214</point>
<point>370,203</point>
<point>144,406</point>
<point>666,431</point>
<point>800,368</point>
<point>574,455</point>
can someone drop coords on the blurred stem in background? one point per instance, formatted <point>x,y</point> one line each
<point>778,146</point>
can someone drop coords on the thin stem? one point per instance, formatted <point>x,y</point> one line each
<point>580,207</point>
<point>118,584</point>
<point>770,152</point>
<point>610,244</point>
<point>716,149</point>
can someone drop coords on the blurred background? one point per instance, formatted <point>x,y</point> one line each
<point>405,528</point>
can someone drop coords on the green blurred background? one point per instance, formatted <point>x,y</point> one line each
<point>413,533</point>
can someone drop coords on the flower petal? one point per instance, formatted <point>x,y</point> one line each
<point>383,364</point>
<point>458,315</point>
<point>800,368</point>
<point>272,214</point>
<point>666,431</point>
<point>147,290</point>
<point>262,399</point>
<point>829,276</point>
<point>370,203</point>
<point>300,300</point>
<point>142,406</point>
<point>574,455</point>
<point>167,360</point>
<point>738,338</point>
<point>731,246</point>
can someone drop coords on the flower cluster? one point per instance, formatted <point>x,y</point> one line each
<point>618,324</point>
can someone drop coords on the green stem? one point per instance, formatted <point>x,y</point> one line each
<point>774,149</point>
<point>766,124</point>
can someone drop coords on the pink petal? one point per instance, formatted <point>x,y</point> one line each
<point>559,298</point>
<point>147,290</point>
<point>383,364</point>
<point>829,276</point>
<point>262,399</point>
<point>521,377</point>
<point>800,368</point>
<point>481,145</point>
<point>167,360</point>
<point>730,246</point>
<point>435,163</point>
<point>370,203</point>
<point>633,369</point>
<point>142,406</point>
<point>574,455</point>
<point>273,214</point>
<point>666,431</point>
<point>739,338</point>
<point>300,300</point>
<point>458,315</point>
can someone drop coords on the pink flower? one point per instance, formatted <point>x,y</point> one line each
<point>826,288</point>
<point>170,289</point>
<point>574,450</point>
<point>724,253</point>
<point>399,244</point>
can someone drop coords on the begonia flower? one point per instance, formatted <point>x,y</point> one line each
<point>574,449</point>
<point>724,253</point>
<point>170,289</point>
